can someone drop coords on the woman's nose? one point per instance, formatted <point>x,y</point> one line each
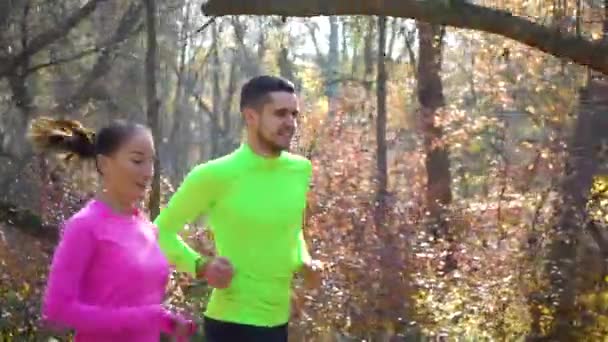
<point>148,171</point>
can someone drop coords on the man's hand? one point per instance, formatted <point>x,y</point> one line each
<point>296,306</point>
<point>217,272</point>
<point>312,272</point>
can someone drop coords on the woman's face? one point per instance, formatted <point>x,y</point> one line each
<point>127,173</point>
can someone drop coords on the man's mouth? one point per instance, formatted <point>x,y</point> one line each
<point>286,134</point>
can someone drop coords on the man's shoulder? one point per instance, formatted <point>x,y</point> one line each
<point>223,161</point>
<point>296,158</point>
<point>218,166</point>
<point>298,161</point>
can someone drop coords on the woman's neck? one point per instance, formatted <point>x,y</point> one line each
<point>115,203</point>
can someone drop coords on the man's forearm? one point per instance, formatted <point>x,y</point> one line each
<point>303,254</point>
<point>178,252</point>
<point>191,199</point>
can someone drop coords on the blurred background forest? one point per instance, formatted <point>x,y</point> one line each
<point>458,190</point>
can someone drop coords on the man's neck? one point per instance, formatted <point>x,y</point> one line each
<point>261,150</point>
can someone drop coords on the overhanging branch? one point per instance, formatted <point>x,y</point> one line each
<point>444,12</point>
<point>48,37</point>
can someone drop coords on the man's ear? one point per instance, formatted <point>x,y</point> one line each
<point>249,115</point>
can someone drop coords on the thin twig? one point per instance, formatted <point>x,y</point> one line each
<point>68,59</point>
<point>205,25</point>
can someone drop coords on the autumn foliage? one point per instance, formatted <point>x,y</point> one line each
<point>487,278</point>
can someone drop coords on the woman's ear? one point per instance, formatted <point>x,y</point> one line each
<point>102,163</point>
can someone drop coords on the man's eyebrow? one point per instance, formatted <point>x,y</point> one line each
<point>285,109</point>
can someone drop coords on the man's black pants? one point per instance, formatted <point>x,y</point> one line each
<point>218,331</point>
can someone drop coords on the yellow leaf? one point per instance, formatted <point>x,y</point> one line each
<point>530,109</point>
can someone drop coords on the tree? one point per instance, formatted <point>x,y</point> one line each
<point>450,12</point>
<point>152,101</point>
<point>431,99</point>
<point>582,165</point>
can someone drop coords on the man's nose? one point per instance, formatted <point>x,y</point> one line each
<point>291,122</point>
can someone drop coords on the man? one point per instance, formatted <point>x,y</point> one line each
<point>254,200</point>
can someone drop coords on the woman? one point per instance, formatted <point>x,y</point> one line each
<point>108,276</point>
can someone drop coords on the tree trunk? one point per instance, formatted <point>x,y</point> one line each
<point>229,139</point>
<point>391,43</point>
<point>286,67</point>
<point>216,95</point>
<point>152,102</point>
<point>332,66</point>
<point>581,166</point>
<point>430,98</point>
<point>46,38</point>
<point>368,58</point>
<point>90,87</point>
<point>390,294</point>
<point>344,48</point>
<point>249,65</point>
<point>381,154</point>
<point>461,14</point>
<point>177,134</point>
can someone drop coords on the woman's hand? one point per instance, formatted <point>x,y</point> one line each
<point>183,328</point>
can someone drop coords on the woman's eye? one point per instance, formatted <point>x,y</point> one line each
<point>137,161</point>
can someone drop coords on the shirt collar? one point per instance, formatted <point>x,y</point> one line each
<point>246,152</point>
<point>107,211</point>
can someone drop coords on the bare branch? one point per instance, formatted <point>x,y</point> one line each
<point>452,13</point>
<point>48,37</point>
<point>64,60</point>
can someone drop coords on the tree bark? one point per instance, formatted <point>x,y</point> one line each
<point>216,133</point>
<point>229,138</point>
<point>128,25</point>
<point>249,64</point>
<point>368,58</point>
<point>8,64</point>
<point>437,161</point>
<point>454,13</point>
<point>582,164</point>
<point>286,66</point>
<point>430,97</point>
<point>177,134</point>
<point>331,87</point>
<point>152,102</point>
<point>381,153</point>
<point>389,294</point>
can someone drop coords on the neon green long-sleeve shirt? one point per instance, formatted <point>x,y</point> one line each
<point>254,206</point>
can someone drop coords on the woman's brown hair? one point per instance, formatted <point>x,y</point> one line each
<point>71,137</point>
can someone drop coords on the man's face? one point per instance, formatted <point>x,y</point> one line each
<point>275,123</point>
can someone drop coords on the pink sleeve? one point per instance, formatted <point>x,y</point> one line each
<point>61,305</point>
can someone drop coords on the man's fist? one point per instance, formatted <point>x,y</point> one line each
<point>312,274</point>
<point>217,272</point>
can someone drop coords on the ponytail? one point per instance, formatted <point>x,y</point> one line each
<point>62,136</point>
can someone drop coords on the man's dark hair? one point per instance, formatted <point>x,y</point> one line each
<point>254,93</point>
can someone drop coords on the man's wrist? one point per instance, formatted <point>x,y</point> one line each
<point>200,266</point>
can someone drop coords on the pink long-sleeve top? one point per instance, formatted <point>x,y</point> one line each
<point>108,278</point>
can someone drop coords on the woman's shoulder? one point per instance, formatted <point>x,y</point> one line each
<point>87,218</point>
